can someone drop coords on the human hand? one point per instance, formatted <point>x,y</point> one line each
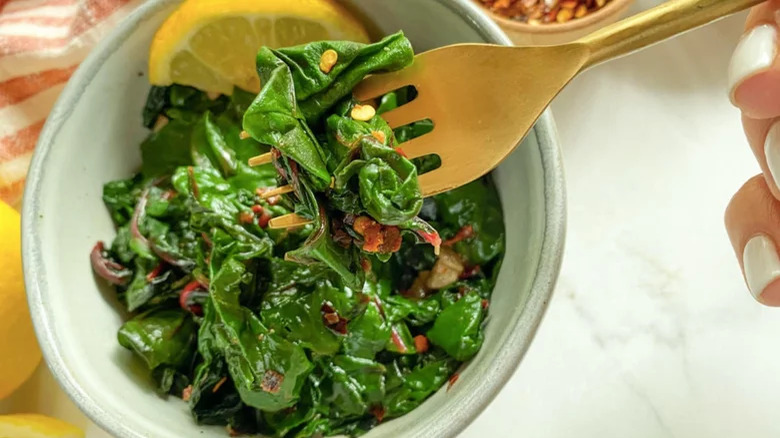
<point>753,216</point>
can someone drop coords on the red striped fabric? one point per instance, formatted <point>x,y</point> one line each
<point>41,44</point>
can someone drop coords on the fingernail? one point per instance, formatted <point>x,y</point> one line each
<point>772,152</point>
<point>761,263</point>
<point>755,52</point>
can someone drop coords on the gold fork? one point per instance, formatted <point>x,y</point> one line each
<point>483,99</point>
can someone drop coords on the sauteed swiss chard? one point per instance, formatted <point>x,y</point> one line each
<point>324,329</point>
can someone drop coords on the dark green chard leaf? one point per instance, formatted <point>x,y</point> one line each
<point>120,197</point>
<point>352,385</point>
<point>296,315</point>
<point>367,334</point>
<point>457,328</point>
<point>245,176</point>
<point>156,102</point>
<point>318,426</point>
<point>286,420</point>
<point>274,119</point>
<point>476,204</point>
<point>143,288</point>
<point>401,340</point>
<point>269,371</point>
<point>160,337</point>
<point>320,248</point>
<point>317,92</point>
<point>213,192</point>
<point>416,385</point>
<point>170,380</point>
<point>415,312</point>
<point>209,148</point>
<point>386,181</point>
<point>188,104</point>
<point>278,275</point>
<point>165,150</point>
<point>120,247</point>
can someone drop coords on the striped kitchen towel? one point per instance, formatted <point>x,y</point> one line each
<point>41,44</point>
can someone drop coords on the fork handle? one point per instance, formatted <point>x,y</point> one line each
<point>657,24</point>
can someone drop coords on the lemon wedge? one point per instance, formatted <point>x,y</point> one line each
<point>19,353</point>
<point>211,44</point>
<point>36,426</point>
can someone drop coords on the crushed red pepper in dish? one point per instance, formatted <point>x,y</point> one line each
<point>537,12</point>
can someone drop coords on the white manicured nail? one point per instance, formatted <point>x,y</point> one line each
<point>761,263</point>
<point>755,52</point>
<point>772,152</point>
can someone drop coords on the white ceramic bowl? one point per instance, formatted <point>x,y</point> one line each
<point>92,137</point>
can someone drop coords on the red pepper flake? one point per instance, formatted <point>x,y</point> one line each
<point>206,238</point>
<point>421,343</point>
<point>401,152</point>
<point>155,272</point>
<point>246,217</point>
<point>453,379</point>
<point>470,272</point>
<point>399,343</point>
<point>379,135</point>
<point>272,381</point>
<point>365,264</point>
<point>219,384</point>
<point>361,223</point>
<point>257,209</point>
<point>391,239</point>
<point>332,319</point>
<point>485,304</point>
<point>377,237</point>
<point>186,393</point>
<point>464,233</point>
<point>552,14</point>
<point>378,412</point>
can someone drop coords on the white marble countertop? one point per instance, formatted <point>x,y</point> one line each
<point>651,332</point>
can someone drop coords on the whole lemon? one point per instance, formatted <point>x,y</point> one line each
<point>36,426</point>
<point>19,352</point>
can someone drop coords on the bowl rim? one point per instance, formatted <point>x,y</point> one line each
<point>508,358</point>
<point>611,8</point>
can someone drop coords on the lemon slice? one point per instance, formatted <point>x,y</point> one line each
<point>212,44</point>
<point>36,426</point>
